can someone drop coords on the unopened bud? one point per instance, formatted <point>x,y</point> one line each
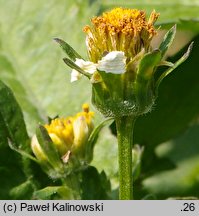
<point>37,150</point>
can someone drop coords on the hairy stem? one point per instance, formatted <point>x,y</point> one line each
<point>125,127</point>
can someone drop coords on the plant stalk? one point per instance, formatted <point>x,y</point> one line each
<point>125,125</point>
<point>72,182</point>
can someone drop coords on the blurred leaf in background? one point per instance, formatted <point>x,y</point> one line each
<point>174,118</point>
<point>184,13</point>
<point>31,62</point>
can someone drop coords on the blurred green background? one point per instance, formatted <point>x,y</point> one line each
<point>31,65</point>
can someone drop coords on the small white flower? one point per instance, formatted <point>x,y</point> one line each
<point>87,66</point>
<point>114,62</point>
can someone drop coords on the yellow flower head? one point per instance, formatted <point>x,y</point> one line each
<point>68,147</point>
<point>65,132</point>
<point>126,30</point>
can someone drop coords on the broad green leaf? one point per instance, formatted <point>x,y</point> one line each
<point>9,76</point>
<point>13,130</point>
<point>105,156</point>
<point>3,132</point>
<point>183,180</point>
<point>10,171</point>
<point>37,58</point>
<point>10,165</point>
<point>21,152</point>
<point>94,185</point>
<point>11,119</point>
<point>167,40</point>
<point>72,54</point>
<point>189,24</point>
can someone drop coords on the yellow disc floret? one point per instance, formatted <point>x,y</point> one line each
<point>121,29</point>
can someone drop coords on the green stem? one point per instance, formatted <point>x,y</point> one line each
<point>125,127</point>
<point>72,182</point>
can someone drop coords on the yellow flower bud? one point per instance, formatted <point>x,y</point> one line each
<point>69,136</point>
<point>61,147</point>
<point>81,132</point>
<point>36,148</point>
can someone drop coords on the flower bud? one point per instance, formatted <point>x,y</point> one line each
<point>81,133</point>
<point>64,141</point>
<point>123,34</point>
<point>119,42</point>
<point>122,63</point>
<point>37,150</point>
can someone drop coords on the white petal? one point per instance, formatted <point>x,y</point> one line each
<point>87,66</point>
<point>75,75</point>
<point>114,62</point>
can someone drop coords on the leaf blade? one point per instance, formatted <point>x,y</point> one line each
<point>12,118</point>
<point>72,54</point>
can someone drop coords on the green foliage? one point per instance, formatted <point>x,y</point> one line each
<point>12,129</point>
<point>176,108</point>
<point>10,77</point>
<point>12,121</point>
<point>30,64</point>
<point>72,54</point>
<point>99,185</point>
